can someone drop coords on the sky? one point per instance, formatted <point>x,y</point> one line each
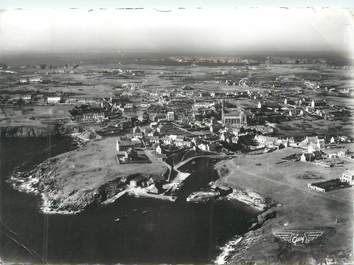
<point>214,30</point>
<point>172,3</point>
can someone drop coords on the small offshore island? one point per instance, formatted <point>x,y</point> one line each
<point>278,141</point>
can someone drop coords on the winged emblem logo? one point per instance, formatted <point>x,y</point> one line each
<point>298,238</point>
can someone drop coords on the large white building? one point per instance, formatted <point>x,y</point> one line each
<point>348,177</point>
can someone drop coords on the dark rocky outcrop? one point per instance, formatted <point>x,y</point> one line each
<point>25,131</point>
<point>34,131</point>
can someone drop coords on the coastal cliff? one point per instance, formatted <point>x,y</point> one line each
<point>34,131</point>
<point>26,131</point>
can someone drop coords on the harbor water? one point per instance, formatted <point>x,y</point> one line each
<point>148,230</point>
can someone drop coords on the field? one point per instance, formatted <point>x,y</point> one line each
<point>108,80</point>
<point>298,208</point>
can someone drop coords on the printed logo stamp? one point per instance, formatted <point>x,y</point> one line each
<point>298,238</point>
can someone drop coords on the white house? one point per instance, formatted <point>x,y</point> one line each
<point>121,155</point>
<point>170,116</point>
<point>348,177</point>
<point>312,144</point>
<point>204,147</point>
<point>167,140</point>
<point>53,100</point>
<point>26,98</point>
<point>35,80</point>
<point>336,153</point>
<point>128,106</point>
<point>158,149</point>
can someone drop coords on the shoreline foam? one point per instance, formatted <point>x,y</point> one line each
<point>227,250</point>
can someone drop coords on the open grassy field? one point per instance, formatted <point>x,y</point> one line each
<point>299,207</point>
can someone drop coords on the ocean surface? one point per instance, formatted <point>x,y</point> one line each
<point>149,231</point>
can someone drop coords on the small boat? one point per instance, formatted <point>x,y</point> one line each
<point>144,212</point>
<point>121,218</point>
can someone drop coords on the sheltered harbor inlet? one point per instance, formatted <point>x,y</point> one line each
<point>186,136</point>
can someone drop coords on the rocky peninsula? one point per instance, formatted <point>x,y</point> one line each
<point>72,181</point>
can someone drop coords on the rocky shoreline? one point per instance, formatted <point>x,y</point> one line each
<point>42,181</point>
<point>234,249</point>
<point>89,175</point>
<point>36,182</point>
<point>228,250</point>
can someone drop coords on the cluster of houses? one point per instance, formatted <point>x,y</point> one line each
<point>192,107</point>
<point>52,99</point>
<point>271,141</point>
<point>131,147</point>
<point>314,148</point>
<point>164,133</point>
<point>87,113</point>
